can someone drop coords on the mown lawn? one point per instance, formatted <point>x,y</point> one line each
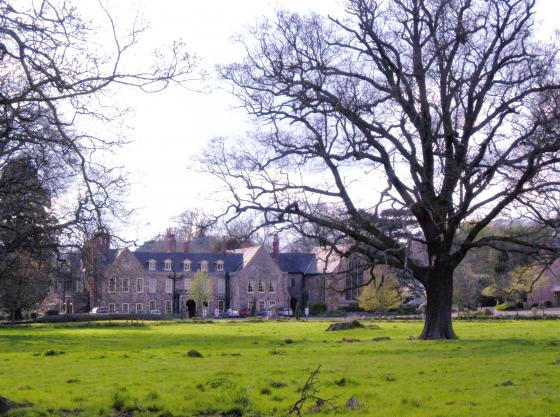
<point>256,369</point>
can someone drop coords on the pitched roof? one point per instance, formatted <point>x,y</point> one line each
<point>304,263</point>
<point>107,257</point>
<point>232,261</point>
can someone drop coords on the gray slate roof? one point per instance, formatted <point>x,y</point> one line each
<point>304,263</point>
<point>232,261</point>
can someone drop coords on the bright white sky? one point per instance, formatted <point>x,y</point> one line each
<point>168,129</point>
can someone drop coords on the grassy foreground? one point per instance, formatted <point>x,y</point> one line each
<point>255,369</point>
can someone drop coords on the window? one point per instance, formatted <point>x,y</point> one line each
<point>124,308</point>
<point>112,284</point>
<point>140,285</point>
<point>126,262</point>
<point>221,305</point>
<point>261,305</point>
<point>152,305</point>
<point>220,266</point>
<point>167,265</point>
<point>111,308</point>
<point>270,286</point>
<point>186,265</point>
<point>271,303</point>
<point>168,306</point>
<point>251,303</point>
<point>188,283</point>
<point>168,286</point>
<point>221,286</point>
<point>152,286</point>
<point>204,266</point>
<point>139,307</point>
<point>261,286</point>
<point>354,277</point>
<point>125,284</point>
<point>152,264</point>
<point>250,286</point>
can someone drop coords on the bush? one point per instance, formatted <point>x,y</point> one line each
<point>352,308</point>
<point>317,309</point>
<point>52,313</point>
<point>506,307</point>
<point>407,309</point>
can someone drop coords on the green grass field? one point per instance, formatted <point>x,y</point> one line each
<point>256,369</point>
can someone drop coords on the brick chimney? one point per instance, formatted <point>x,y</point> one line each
<point>171,242</point>
<point>246,244</point>
<point>275,248</point>
<point>186,246</point>
<point>224,245</point>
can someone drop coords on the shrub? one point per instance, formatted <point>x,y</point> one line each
<point>351,308</point>
<point>317,309</point>
<point>506,307</point>
<point>407,309</point>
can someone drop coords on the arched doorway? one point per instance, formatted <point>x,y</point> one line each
<point>191,307</point>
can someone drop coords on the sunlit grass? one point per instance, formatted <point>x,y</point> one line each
<point>495,369</point>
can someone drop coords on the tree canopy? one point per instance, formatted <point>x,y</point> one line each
<point>444,109</point>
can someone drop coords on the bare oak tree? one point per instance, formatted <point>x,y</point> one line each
<point>445,109</point>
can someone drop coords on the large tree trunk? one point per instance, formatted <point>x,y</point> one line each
<point>439,291</point>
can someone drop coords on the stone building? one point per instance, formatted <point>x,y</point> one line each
<point>124,281</point>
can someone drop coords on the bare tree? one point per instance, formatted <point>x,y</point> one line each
<point>56,72</point>
<point>445,109</point>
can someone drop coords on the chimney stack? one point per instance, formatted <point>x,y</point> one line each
<point>186,246</point>
<point>171,242</point>
<point>224,245</point>
<point>246,244</point>
<point>275,248</point>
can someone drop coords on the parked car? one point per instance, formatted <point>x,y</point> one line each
<point>99,310</point>
<point>245,312</point>
<point>416,302</point>
<point>156,312</point>
<point>265,312</point>
<point>285,312</point>
<point>231,313</point>
<point>140,312</point>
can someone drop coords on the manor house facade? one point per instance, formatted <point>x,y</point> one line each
<point>127,281</point>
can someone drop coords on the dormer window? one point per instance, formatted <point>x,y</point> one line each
<point>204,266</point>
<point>220,266</point>
<point>167,265</point>
<point>186,265</point>
<point>152,265</point>
<point>126,262</point>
